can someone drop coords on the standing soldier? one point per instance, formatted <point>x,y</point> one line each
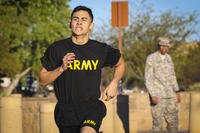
<point>162,86</point>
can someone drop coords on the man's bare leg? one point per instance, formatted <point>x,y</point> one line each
<point>87,129</point>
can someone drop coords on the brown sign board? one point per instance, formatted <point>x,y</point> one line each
<point>119,13</point>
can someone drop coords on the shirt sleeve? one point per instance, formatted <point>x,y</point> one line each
<point>149,76</point>
<point>112,56</point>
<point>49,60</point>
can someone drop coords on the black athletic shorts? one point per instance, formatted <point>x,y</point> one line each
<point>71,117</point>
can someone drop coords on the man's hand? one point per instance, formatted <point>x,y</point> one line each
<point>155,100</point>
<point>178,97</point>
<point>111,91</point>
<point>67,59</point>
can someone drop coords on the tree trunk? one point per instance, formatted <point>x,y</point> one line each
<point>15,82</point>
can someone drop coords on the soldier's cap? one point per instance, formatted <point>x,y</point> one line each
<point>163,41</point>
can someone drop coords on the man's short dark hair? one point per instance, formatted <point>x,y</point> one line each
<point>83,8</point>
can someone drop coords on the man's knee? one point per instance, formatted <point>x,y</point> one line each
<point>172,126</point>
<point>87,129</point>
<point>157,124</point>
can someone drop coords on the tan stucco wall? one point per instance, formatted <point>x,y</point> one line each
<point>139,113</point>
<point>126,112</point>
<point>11,114</point>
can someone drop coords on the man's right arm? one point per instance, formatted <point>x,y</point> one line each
<point>149,76</point>
<point>149,80</point>
<point>47,77</point>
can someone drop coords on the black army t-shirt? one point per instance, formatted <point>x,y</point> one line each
<point>81,81</point>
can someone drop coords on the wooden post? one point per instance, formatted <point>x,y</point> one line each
<point>195,113</point>
<point>11,114</point>
<point>47,122</point>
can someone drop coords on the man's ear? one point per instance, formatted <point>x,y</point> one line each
<point>70,26</point>
<point>91,26</point>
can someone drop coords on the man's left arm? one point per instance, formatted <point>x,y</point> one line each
<point>175,84</point>
<point>112,89</point>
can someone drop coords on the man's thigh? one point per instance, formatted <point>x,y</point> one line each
<point>157,115</point>
<point>87,129</point>
<point>94,116</point>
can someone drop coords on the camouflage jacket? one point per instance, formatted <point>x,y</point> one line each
<point>160,77</point>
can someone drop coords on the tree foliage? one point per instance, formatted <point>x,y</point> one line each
<point>191,70</point>
<point>28,27</point>
<point>8,61</point>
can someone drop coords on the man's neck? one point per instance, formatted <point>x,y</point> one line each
<point>80,40</point>
<point>162,53</point>
<point>162,56</point>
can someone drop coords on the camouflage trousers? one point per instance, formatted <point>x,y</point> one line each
<point>168,110</point>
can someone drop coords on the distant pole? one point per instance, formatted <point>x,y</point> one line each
<point>119,27</point>
<point>120,39</point>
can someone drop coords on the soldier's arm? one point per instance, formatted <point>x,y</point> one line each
<point>149,76</point>
<point>174,83</point>
<point>174,80</point>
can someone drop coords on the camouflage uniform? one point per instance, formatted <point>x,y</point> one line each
<point>161,82</point>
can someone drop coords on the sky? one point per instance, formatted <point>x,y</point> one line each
<point>102,8</point>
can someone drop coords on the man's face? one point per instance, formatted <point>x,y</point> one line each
<point>163,49</point>
<point>81,23</point>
